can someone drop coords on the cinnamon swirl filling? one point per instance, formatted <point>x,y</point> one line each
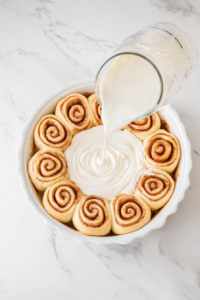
<point>74,110</point>
<point>47,167</point>
<point>129,213</point>
<point>92,216</point>
<point>155,187</point>
<point>60,200</point>
<point>96,110</point>
<point>51,133</point>
<point>162,150</point>
<point>143,128</point>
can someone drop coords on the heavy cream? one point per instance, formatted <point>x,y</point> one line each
<point>104,160</point>
<point>118,173</point>
<point>130,87</point>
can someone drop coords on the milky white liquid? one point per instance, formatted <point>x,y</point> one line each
<point>129,89</point>
<point>118,173</point>
<point>105,164</point>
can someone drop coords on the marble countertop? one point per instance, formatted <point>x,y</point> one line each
<point>45,43</point>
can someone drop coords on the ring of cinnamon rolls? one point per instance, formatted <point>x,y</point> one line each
<point>91,214</point>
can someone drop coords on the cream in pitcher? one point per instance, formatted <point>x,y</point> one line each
<point>146,70</point>
<point>130,88</point>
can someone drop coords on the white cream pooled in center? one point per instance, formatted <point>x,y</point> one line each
<point>122,165</point>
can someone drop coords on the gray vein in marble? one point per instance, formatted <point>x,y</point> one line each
<point>7,130</point>
<point>104,259</point>
<point>86,41</point>
<point>196,152</point>
<point>161,251</point>
<point>70,41</point>
<point>53,243</point>
<point>115,296</point>
<point>51,37</point>
<point>81,36</point>
<point>45,1</point>
<point>146,294</point>
<point>175,6</point>
<point>41,59</point>
<point>187,290</point>
<point>9,99</point>
<point>42,10</point>
<point>132,249</point>
<point>179,265</point>
<point>8,8</point>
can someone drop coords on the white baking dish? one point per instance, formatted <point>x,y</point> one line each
<point>25,148</point>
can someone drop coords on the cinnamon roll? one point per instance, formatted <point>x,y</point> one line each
<point>61,199</point>
<point>162,150</point>
<point>92,216</point>
<point>74,111</point>
<point>95,110</point>
<point>155,187</point>
<point>129,213</point>
<point>47,167</point>
<point>143,128</point>
<point>52,133</point>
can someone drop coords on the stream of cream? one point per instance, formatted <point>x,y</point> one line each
<point>104,160</point>
<point>130,88</point>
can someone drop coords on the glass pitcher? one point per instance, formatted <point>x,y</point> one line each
<point>170,50</point>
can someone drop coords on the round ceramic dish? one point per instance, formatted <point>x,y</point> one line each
<point>24,153</point>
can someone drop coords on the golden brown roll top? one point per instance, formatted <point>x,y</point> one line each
<point>96,110</point>
<point>92,216</point>
<point>129,213</point>
<point>162,150</point>
<point>47,167</point>
<point>145,127</point>
<point>74,110</point>
<point>52,133</point>
<point>155,187</point>
<point>61,199</point>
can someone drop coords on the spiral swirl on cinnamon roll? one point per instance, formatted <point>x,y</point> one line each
<point>92,216</point>
<point>145,127</point>
<point>129,213</point>
<point>47,167</point>
<point>155,187</point>
<point>96,110</point>
<point>61,199</point>
<point>162,150</point>
<point>74,110</point>
<point>52,133</point>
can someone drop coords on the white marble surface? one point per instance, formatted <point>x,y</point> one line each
<point>45,43</point>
